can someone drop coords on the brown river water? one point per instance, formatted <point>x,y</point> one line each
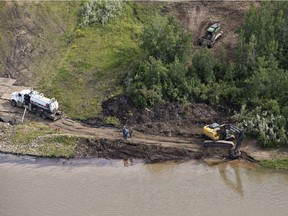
<point>40,187</point>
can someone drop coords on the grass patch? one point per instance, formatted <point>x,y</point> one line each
<point>39,139</point>
<point>58,146</point>
<point>26,133</point>
<point>111,120</point>
<point>275,163</point>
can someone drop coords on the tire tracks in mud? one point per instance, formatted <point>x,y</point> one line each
<point>109,143</point>
<point>75,128</point>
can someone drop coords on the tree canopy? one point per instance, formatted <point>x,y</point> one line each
<point>257,79</point>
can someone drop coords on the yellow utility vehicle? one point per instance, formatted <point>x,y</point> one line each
<point>224,136</point>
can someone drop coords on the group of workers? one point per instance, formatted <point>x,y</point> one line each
<point>127,132</point>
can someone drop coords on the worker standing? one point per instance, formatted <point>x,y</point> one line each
<point>124,132</point>
<point>131,132</point>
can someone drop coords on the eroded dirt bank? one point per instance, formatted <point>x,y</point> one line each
<point>170,119</point>
<point>123,149</point>
<point>166,132</point>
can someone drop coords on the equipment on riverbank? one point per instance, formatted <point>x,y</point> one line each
<point>36,103</point>
<point>212,35</point>
<point>224,136</point>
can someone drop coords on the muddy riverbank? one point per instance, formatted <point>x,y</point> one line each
<point>122,149</point>
<point>70,139</point>
<point>164,132</point>
<point>107,143</point>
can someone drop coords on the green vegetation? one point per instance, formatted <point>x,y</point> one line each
<point>25,134</point>
<point>262,73</point>
<point>40,139</point>
<point>90,70</point>
<point>268,127</point>
<point>275,163</point>
<point>159,75</point>
<point>111,120</point>
<point>58,146</point>
<point>100,11</point>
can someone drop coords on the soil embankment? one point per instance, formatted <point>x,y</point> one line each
<point>120,149</point>
<point>163,132</point>
<point>155,137</point>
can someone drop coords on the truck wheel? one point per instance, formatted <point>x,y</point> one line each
<point>13,103</point>
<point>43,116</point>
<point>38,113</point>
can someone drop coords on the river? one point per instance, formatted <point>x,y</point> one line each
<point>41,187</point>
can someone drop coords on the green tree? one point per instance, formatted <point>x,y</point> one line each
<point>163,39</point>
<point>161,75</point>
<point>203,64</point>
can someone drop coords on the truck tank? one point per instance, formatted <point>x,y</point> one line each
<point>39,100</point>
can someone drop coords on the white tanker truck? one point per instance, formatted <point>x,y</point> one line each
<point>36,103</point>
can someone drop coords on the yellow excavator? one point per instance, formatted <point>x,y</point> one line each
<point>224,136</point>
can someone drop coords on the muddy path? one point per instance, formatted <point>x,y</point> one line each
<point>109,143</point>
<point>76,128</point>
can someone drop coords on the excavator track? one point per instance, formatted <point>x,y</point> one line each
<point>219,143</point>
<point>221,147</point>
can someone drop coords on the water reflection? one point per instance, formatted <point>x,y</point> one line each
<point>235,185</point>
<point>128,162</point>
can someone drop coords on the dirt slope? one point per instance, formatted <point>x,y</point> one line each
<point>29,32</point>
<point>27,38</point>
<point>197,16</point>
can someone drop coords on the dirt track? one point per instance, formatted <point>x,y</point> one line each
<point>108,142</point>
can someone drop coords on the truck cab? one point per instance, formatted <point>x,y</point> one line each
<point>18,98</point>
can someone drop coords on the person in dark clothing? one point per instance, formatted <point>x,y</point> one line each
<point>131,132</point>
<point>125,132</point>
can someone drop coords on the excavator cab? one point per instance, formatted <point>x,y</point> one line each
<point>211,131</point>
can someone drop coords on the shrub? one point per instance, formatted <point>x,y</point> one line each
<point>100,12</point>
<point>79,33</point>
<point>111,120</point>
<point>270,130</point>
<point>161,74</point>
<point>272,106</point>
<point>163,38</point>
